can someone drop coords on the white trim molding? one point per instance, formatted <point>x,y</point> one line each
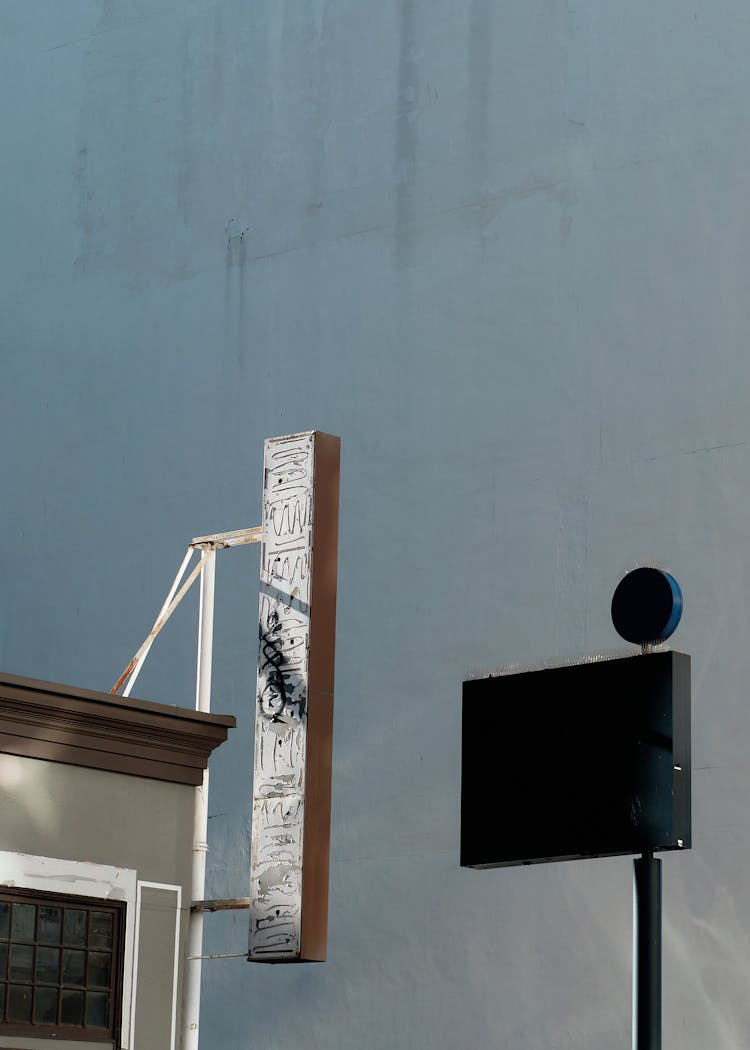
<point>177,890</point>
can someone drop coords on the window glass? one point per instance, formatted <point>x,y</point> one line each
<point>74,928</point>
<point>72,1007</point>
<point>19,1002</point>
<point>97,1006</point>
<point>21,962</point>
<point>50,920</point>
<point>45,1006</point>
<point>73,967</point>
<point>22,928</point>
<point>47,969</point>
<point>100,930</point>
<point>60,966</point>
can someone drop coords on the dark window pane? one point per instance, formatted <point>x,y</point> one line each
<point>47,966</point>
<point>45,1006</point>
<point>74,928</point>
<point>48,930</point>
<point>100,929</point>
<point>19,1002</point>
<point>58,964</point>
<point>73,967</point>
<point>96,1009</point>
<point>21,962</point>
<point>72,1007</point>
<point>98,975</point>
<point>22,928</point>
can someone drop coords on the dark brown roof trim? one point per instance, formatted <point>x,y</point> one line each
<point>81,727</point>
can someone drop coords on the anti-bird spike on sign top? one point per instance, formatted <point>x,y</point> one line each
<point>294,710</point>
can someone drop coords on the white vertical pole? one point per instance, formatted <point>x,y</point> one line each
<point>205,632</point>
<point>200,821</point>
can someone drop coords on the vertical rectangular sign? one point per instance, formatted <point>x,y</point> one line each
<point>294,700</point>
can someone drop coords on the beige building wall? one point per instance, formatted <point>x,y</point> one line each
<point>60,825</point>
<point>97,800</point>
<point>111,818</point>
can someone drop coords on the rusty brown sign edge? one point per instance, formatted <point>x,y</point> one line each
<point>319,765</point>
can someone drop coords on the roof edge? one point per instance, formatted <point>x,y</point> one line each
<point>83,727</point>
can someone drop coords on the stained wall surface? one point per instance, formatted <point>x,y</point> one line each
<point>502,251</point>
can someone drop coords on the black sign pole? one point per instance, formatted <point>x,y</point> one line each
<point>647,953</point>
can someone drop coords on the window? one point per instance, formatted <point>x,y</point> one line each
<point>60,966</point>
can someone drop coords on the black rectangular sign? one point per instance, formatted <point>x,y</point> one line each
<point>588,760</point>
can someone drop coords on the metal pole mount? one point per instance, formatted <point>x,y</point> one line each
<point>647,953</point>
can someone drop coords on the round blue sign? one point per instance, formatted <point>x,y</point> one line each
<point>646,606</point>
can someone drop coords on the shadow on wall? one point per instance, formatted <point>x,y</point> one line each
<point>478,60</point>
<point>716,977</point>
<point>23,798</point>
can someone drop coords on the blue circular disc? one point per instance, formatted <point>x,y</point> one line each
<point>647,606</point>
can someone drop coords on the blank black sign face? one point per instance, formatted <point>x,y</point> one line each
<point>583,761</point>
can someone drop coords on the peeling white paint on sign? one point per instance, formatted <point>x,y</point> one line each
<point>288,710</point>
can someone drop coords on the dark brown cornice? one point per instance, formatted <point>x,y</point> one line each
<point>81,727</point>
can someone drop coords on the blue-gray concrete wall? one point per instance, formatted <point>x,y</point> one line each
<point>502,250</point>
